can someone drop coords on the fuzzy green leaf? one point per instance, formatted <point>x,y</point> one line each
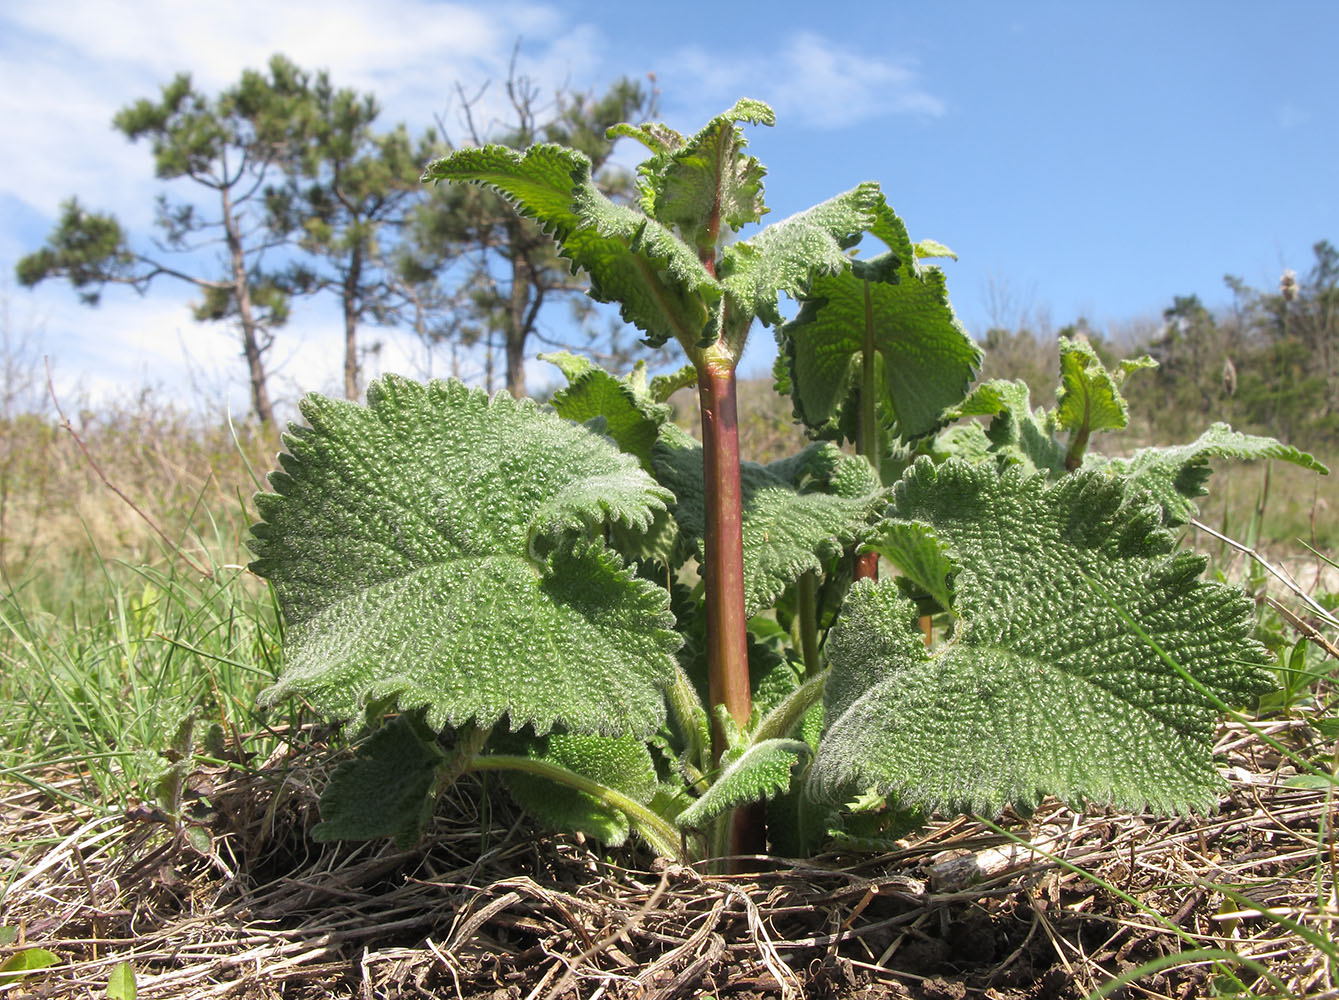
<point>928,358</point>
<point>1017,435</point>
<point>798,512</point>
<point>1176,476</point>
<point>1045,688</point>
<point>919,556</point>
<point>657,280</point>
<point>785,256</point>
<point>423,547</point>
<point>932,248</point>
<point>622,763</point>
<point>1089,398</point>
<point>706,184</point>
<point>387,789</point>
<point>662,387</point>
<point>761,772</point>
<point>630,416</point>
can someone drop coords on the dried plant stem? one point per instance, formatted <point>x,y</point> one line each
<point>1282,575</point>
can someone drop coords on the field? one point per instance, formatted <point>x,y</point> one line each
<point>153,815</point>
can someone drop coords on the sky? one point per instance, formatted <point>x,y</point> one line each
<point>1084,160</point>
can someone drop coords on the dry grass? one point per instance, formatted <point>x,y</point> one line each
<point>486,909</point>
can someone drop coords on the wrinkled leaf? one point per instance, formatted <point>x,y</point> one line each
<point>658,282</point>
<point>706,184</point>
<point>1017,434</point>
<point>387,789</point>
<point>928,358</point>
<point>761,772</point>
<point>786,255</point>
<point>630,416</point>
<point>919,556</point>
<point>798,512</point>
<point>1178,475</point>
<point>429,546</point>
<point>1045,687</point>
<point>1089,399</point>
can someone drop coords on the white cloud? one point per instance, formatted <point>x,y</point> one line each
<point>811,81</point>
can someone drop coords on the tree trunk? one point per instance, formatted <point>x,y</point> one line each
<point>518,329</point>
<point>350,300</point>
<point>251,346</point>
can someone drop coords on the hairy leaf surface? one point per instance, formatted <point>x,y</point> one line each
<point>786,255</point>
<point>386,790</point>
<point>798,512</point>
<point>658,282</point>
<point>1178,475</point>
<point>761,772</point>
<point>432,546</point>
<point>1089,397</point>
<point>631,417</point>
<point>622,763</point>
<point>928,358</point>
<point>1045,688</point>
<point>1017,434</point>
<point>705,185</point>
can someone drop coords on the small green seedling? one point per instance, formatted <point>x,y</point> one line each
<point>582,595</point>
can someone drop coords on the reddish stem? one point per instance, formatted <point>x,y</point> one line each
<point>867,566</point>
<point>723,569</point>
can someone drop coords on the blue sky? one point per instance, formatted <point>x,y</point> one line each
<point>1083,159</point>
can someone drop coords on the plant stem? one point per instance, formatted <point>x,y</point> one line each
<point>663,838</point>
<point>867,563</point>
<point>806,600</point>
<point>723,574</point>
<point>723,562</point>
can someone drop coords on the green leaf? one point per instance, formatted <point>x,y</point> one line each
<point>664,386</point>
<point>387,789</point>
<point>657,280</point>
<point>630,416</point>
<point>121,982</point>
<point>1089,396</point>
<point>428,546</point>
<point>928,358</point>
<point>1312,781</point>
<point>1045,688</point>
<point>919,556</point>
<point>19,964</point>
<point>704,185</point>
<point>932,248</point>
<point>1017,435</point>
<point>8,935</point>
<point>761,772</point>
<point>621,763</point>
<point>785,256</point>
<point>1177,475</point>
<point>798,512</point>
